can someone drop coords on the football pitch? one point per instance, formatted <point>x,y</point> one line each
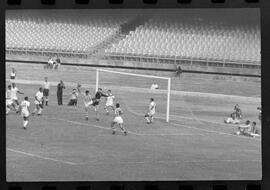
<point>61,145</point>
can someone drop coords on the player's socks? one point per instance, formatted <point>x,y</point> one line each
<point>86,118</point>
<point>7,110</point>
<point>46,103</point>
<point>113,132</point>
<point>40,110</point>
<point>125,133</point>
<point>35,110</point>
<point>25,123</point>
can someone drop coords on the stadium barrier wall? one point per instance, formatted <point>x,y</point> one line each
<point>150,67</point>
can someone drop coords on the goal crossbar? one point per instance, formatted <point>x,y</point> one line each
<point>141,75</point>
<point>134,74</point>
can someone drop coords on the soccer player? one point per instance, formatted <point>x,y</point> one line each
<point>25,104</point>
<point>151,112</point>
<point>243,129</point>
<point>118,120</point>
<point>9,102</point>
<point>96,100</point>
<point>87,102</point>
<point>74,98</point>
<point>109,102</point>
<point>13,94</point>
<point>59,92</point>
<point>46,89</point>
<point>13,74</point>
<point>38,102</point>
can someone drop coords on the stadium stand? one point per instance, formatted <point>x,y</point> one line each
<point>206,35</point>
<point>77,31</point>
<point>191,36</point>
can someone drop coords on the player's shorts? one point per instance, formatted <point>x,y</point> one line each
<point>118,120</point>
<point>25,114</point>
<point>14,99</point>
<point>151,113</point>
<point>95,102</point>
<point>87,104</point>
<point>9,102</point>
<point>46,92</point>
<point>109,104</point>
<point>39,103</point>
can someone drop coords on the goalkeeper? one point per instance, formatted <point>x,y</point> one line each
<point>96,100</point>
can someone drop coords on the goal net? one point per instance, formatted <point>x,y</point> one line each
<point>133,91</point>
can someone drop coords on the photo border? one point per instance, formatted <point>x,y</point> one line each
<point>263,184</point>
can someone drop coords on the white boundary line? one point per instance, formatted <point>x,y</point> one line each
<point>196,128</point>
<point>173,134</point>
<point>169,162</point>
<point>41,157</point>
<point>129,132</point>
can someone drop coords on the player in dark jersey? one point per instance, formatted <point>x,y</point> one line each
<point>96,100</point>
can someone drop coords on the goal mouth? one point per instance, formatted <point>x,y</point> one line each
<point>135,90</point>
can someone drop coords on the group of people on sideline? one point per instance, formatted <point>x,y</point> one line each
<point>248,128</point>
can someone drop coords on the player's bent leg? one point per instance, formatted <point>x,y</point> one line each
<point>86,112</point>
<point>7,109</point>
<point>147,117</point>
<point>40,108</point>
<point>113,127</point>
<point>123,128</point>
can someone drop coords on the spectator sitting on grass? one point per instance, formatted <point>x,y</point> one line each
<point>232,119</point>
<point>50,63</point>
<point>244,129</point>
<point>57,63</point>
<point>254,131</point>
<point>238,111</point>
<point>74,98</point>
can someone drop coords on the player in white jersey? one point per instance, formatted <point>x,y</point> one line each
<point>24,106</point>
<point>13,94</point>
<point>46,89</point>
<point>87,102</point>
<point>12,75</point>
<point>9,102</point>
<point>151,111</point>
<point>118,120</point>
<point>38,102</point>
<point>109,102</point>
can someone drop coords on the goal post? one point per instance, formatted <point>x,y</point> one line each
<point>141,76</point>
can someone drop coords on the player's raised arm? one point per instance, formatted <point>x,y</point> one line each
<point>20,92</point>
<point>79,88</point>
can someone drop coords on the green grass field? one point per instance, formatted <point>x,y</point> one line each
<point>196,145</point>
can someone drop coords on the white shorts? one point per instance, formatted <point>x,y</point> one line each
<point>87,104</point>
<point>9,102</point>
<point>151,113</point>
<point>25,113</point>
<point>14,99</point>
<point>118,120</point>
<point>108,104</point>
<point>37,102</point>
